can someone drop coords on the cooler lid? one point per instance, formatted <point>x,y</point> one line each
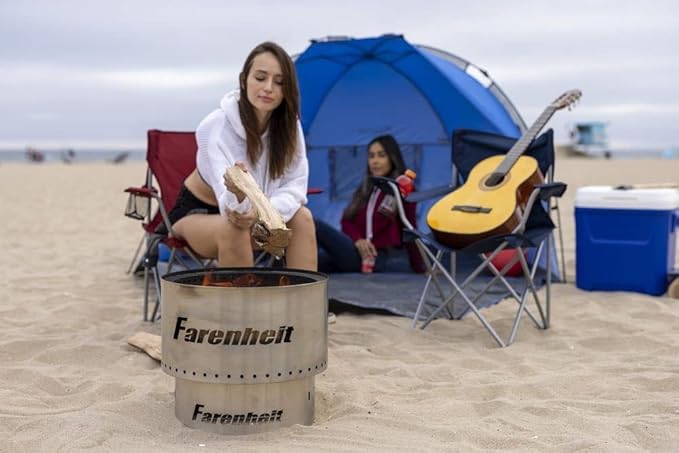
<point>612,197</point>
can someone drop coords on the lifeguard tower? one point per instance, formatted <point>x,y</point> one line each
<point>589,138</point>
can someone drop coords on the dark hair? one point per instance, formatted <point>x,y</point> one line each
<point>283,123</point>
<point>362,193</point>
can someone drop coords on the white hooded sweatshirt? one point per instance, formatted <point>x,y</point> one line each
<point>222,142</point>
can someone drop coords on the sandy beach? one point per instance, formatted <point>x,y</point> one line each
<point>604,377</point>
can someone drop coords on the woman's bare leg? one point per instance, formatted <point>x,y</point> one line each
<point>301,253</point>
<point>213,236</point>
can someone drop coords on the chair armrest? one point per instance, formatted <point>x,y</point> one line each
<point>383,184</point>
<point>552,189</point>
<point>388,186</point>
<point>414,197</point>
<point>542,192</point>
<point>146,192</point>
<point>427,194</point>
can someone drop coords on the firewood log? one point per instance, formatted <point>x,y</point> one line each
<point>270,231</point>
<point>147,342</point>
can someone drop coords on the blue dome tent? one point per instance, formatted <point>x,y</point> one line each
<point>353,90</point>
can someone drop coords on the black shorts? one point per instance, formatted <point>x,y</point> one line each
<point>187,204</point>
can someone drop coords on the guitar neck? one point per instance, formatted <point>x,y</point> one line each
<point>522,144</point>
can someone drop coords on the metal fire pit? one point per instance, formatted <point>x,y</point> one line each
<point>244,358</point>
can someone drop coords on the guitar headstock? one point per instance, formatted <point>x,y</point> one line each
<point>567,99</point>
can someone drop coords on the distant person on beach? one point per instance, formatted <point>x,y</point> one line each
<point>371,228</point>
<point>68,156</point>
<point>120,157</point>
<point>257,128</point>
<point>33,155</point>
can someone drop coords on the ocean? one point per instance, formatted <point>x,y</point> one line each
<point>81,155</point>
<point>111,155</point>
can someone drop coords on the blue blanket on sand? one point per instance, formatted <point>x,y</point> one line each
<point>399,293</point>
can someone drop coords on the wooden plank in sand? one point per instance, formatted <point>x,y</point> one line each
<point>147,342</point>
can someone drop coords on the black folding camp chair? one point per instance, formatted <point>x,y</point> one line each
<point>534,230</point>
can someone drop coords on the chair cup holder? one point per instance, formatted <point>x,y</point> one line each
<point>137,207</point>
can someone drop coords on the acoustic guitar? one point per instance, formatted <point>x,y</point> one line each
<point>495,194</point>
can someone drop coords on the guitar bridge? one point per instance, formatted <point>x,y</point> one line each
<point>471,209</point>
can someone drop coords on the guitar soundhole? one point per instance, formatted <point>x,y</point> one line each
<point>493,181</point>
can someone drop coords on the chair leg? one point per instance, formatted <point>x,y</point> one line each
<point>499,274</point>
<point>548,285</point>
<point>443,305</point>
<point>146,292</point>
<point>170,260</point>
<point>136,254</point>
<point>529,275</point>
<point>458,289</point>
<point>150,262</point>
<point>517,318</point>
<point>530,281</point>
<point>435,267</point>
<point>563,254</point>
<point>423,296</point>
<point>533,271</point>
<point>156,280</point>
<point>431,278</point>
<point>450,308</point>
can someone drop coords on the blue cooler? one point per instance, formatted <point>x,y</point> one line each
<point>625,238</point>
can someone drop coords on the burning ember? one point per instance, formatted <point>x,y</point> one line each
<point>242,281</point>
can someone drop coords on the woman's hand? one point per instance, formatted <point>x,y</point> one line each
<point>366,248</point>
<point>231,187</point>
<point>243,221</point>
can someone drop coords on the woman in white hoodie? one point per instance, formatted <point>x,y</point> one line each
<point>257,128</point>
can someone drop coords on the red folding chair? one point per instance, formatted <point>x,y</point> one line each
<point>171,157</point>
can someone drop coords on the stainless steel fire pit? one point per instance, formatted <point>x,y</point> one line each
<point>244,358</point>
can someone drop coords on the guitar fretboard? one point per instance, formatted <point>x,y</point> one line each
<point>520,146</point>
<point>565,100</point>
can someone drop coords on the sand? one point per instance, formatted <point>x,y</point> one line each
<point>605,377</point>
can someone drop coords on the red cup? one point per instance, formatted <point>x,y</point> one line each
<point>367,265</point>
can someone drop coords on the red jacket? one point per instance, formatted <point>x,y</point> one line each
<point>387,230</point>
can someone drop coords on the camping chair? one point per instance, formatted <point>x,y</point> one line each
<point>533,231</point>
<point>171,157</point>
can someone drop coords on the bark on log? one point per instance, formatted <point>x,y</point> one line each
<point>270,232</point>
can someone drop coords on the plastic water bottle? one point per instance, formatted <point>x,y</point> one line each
<point>406,182</point>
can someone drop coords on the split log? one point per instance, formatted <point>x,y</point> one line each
<point>148,343</point>
<point>270,231</point>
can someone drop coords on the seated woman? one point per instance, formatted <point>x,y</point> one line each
<point>371,228</point>
<point>258,129</point>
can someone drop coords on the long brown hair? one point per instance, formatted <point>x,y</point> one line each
<point>283,123</point>
<point>362,193</point>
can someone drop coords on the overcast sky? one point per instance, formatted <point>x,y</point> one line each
<point>100,73</point>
